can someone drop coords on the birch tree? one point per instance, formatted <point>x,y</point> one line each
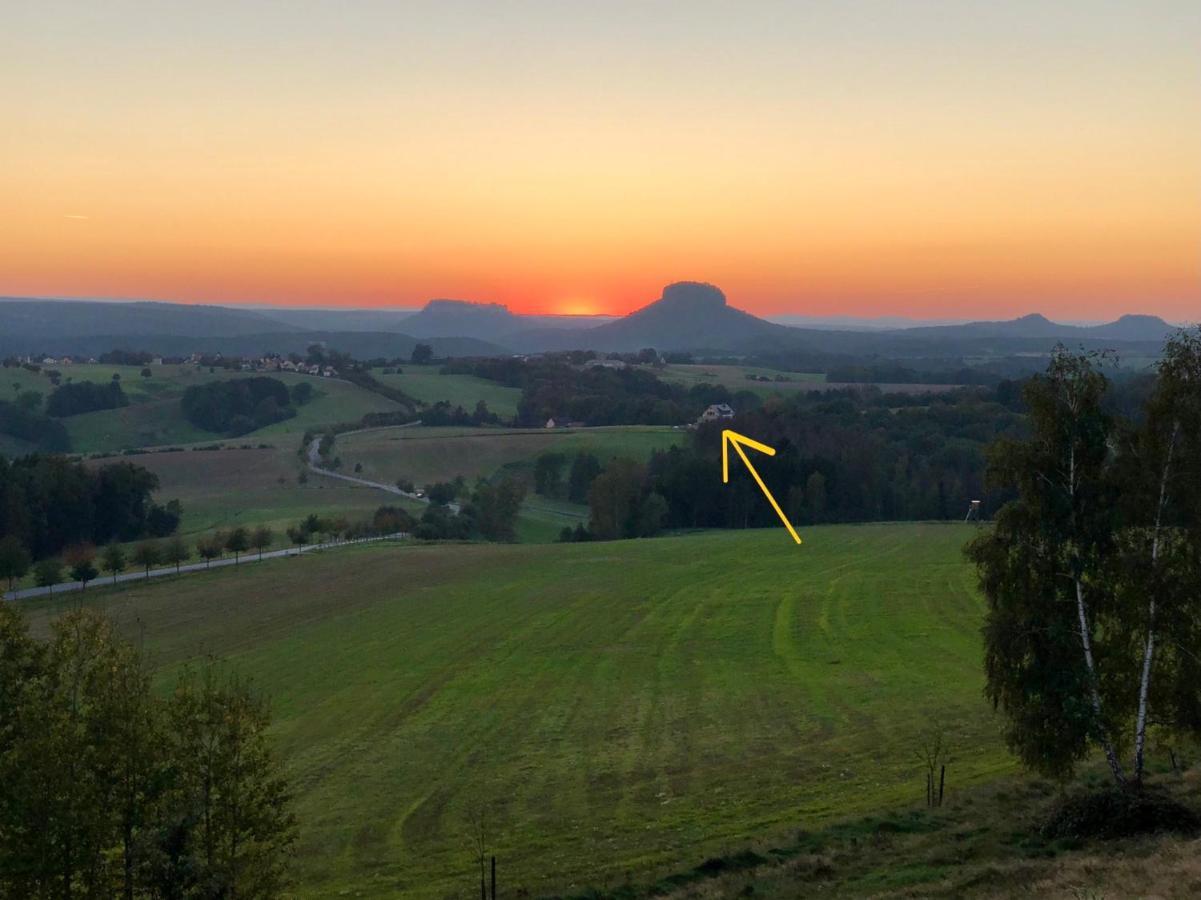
<point>1093,574</point>
<point>1041,567</point>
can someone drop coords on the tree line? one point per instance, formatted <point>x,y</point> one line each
<point>240,405</point>
<point>562,387</point>
<point>1092,571</point>
<point>50,502</point>
<point>113,790</point>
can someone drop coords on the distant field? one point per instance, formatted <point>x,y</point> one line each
<point>620,708</point>
<point>227,488</point>
<point>153,417</point>
<point>735,378</point>
<point>427,455</point>
<point>427,384</point>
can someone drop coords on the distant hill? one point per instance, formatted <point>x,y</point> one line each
<point>462,318</point>
<point>339,319</point>
<point>1133,328</point>
<point>689,315</point>
<point>1127,328</point>
<point>20,318</point>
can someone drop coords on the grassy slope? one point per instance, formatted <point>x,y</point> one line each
<point>426,455</point>
<point>427,384</point>
<point>153,417</point>
<point>225,488</point>
<point>618,707</point>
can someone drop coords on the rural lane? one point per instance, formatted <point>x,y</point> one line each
<point>315,466</point>
<point>69,586</point>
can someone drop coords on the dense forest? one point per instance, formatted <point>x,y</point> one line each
<point>844,456</point>
<point>23,421</point>
<point>237,406</point>
<point>84,397</point>
<point>556,387</point>
<point>50,502</point>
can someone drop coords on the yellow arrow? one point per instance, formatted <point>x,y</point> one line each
<point>736,440</point>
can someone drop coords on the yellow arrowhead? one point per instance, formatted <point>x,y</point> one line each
<point>738,441</point>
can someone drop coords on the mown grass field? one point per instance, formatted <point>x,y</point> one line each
<point>153,417</point>
<point>429,385</point>
<point>234,486</point>
<point>427,455</point>
<point>619,709</point>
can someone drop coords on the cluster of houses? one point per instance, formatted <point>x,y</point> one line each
<point>52,360</point>
<point>271,363</point>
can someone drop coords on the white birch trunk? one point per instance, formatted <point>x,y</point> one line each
<point>1115,764</point>
<point>1140,726</point>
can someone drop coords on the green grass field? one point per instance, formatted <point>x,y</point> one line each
<point>231,487</point>
<point>426,455</point>
<point>619,708</point>
<point>427,384</point>
<point>153,417</point>
<point>735,378</point>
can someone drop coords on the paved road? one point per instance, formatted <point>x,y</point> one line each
<point>251,557</point>
<point>315,466</point>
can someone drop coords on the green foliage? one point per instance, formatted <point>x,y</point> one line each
<point>584,469</point>
<point>28,425</point>
<point>1090,573</point>
<point>548,474</point>
<point>14,559</point>
<point>48,502</point>
<point>175,552</point>
<point>422,353</point>
<point>85,396</point>
<point>112,560</point>
<point>147,554</point>
<point>237,541</point>
<point>302,393</point>
<point>81,563</point>
<point>111,791</point>
<point>47,572</point>
<point>237,406</point>
<point>495,508</point>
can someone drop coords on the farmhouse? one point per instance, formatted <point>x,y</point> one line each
<point>715,413</point>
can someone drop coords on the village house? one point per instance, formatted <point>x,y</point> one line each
<point>716,413</point>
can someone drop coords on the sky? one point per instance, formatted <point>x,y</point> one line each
<point>930,159</point>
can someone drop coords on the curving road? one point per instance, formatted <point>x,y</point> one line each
<point>315,466</point>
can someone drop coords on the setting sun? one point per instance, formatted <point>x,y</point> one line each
<point>577,307</point>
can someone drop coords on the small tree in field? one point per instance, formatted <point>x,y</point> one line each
<point>14,560</point>
<point>210,548</point>
<point>112,560</point>
<point>297,535</point>
<point>81,562</point>
<point>261,539</point>
<point>176,552</point>
<point>238,542</point>
<point>146,555</point>
<point>47,573</point>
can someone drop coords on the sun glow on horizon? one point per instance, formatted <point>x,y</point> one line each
<point>577,307</point>
<point>870,158</point>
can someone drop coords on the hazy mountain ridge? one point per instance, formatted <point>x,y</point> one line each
<point>687,316</point>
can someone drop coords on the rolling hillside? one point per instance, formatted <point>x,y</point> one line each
<point>426,455</point>
<point>614,708</point>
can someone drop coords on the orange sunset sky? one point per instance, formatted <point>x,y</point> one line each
<point>940,159</point>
